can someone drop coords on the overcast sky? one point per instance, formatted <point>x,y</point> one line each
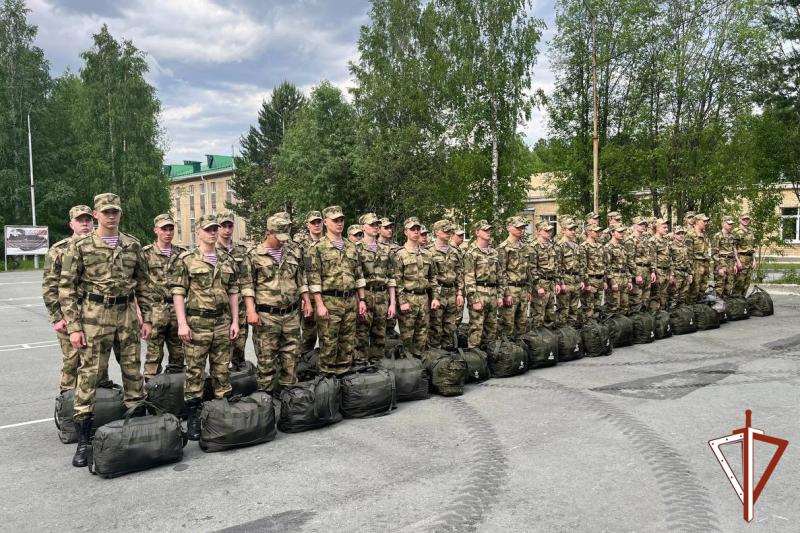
<point>213,62</point>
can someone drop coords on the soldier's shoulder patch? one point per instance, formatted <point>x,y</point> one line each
<point>63,243</point>
<point>178,249</point>
<point>184,254</point>
<point>147,247</point>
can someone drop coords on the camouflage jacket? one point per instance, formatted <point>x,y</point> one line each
<point>238,251</point>
<point>745,240</point>
<point>513,266</point>
<point>272,283</point>
<point>594,258</point>
<point>159,266</point>
<point>90,266</point>
<point>639,252</point>
<point>377,266</point>
<point>570,261</point>
<point>543,264</point>
<point>679,257</point>
<point>661,254</point>
<point>449,268</point>
<point>481,272</point>
<point>699,248</point>
<point>204,285</point>
<point>723,247</point>
<point>327,268</point>
<point>617,260</point>
<point>414,272</point>
<point>50,278</point>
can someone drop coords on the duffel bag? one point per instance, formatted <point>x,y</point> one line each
<point>307,366</point>
<point>570,344</point>
<point>736,309</point>
<point>390,347</point>
<point>620,330</point>
<point>165,391</point>
<point>132,444</point>
<point>661,325</point>
<point>643,327</point>
<point>718,305</point>
<point>506,358</point>
<point>541,347</point>
<point>108,406</point>
<point>463,335</point>
<point>368,392</point>
<point>237,421</point>
<point>447,370</point>
<point>410,377</point>
<point>243,381</point>
<point>759,303</point>
<point>477,364</point>
<point>310,404</point>
<point>681,319</point>
<point>596,342</point>
<point>705,317</point>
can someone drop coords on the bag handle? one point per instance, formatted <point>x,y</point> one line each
<point>153,408</point>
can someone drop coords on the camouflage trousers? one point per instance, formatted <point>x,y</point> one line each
<point>514,318</point>
<point>542,309</point>
<point>640,293</point>
<point>277,345</point>
<point>414,324</point>
<point>616,299</point>
<point>742,283</point>
<point>659,291</point>
<point>698,286</point>
<point>679,293</point>
<point>210,342</point>
<point>371,331</point>
<point>308,331</point>
<point>164,332</point>
<point>445,320</point>
<point>568,303</point>
<point>238,345</point>
<point>337,335</point>
<point>114,327</point>
<point>591,301</point>
<point>70,361</point>
<point>483,323</point>
<point>724,286</point>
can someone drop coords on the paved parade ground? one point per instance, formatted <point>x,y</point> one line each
<point>609,444</point>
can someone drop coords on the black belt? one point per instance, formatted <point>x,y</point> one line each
<point>546,279</point>
<point>447,285</point>
<point>416,291</point>
<point>572,273</point>
<point>486,284</point>
<point>261,308</point>
<point>597,276</point>
<point>747,254</point>
<point>377,287</point>
<point>108,300</point>
<point>726,256</point>
<point>517,284</point>
<point>169,301</point>
<point>338,294</point>
<point>642,264</point>
<point>205,313</point>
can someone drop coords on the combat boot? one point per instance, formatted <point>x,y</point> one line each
<point>193,422</point>
<point>84,427</point>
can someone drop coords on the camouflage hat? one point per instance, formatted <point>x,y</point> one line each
<point>688,214</point>
<point>423,230</point>
<point>679,229</point>
<point>459,231</point>
<point>701,216</point>
<point>313,215</point>
<point>614,214</point>
<point>385,222</point>
<point>368,218</point>
<point>517,221</point>
<point>279,224</point>
<point>544,225</point>
<point>353,229</point>
<point>79,210</point>
<point>744,215</point>
<point>619,227</point>
<point>333,212</point>
<point>568,223</point>
<point>411,222</point>
<point>660,221</point>
<point>593,227</point>
<point>106,201</point>
<point>591,215</point>
<point>164,219</point>
<point>226,216</point>
<point>482,225</point>
<point>443,225</point>
<point>728,219</point>
<point>206,221</point>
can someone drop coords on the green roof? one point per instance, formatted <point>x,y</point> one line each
<point>190,169</point>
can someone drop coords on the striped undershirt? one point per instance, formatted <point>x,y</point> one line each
<point>275,253</point>
<point>444,248</point>
<point>166,251</point>
<point>373,247</point>
<point>111,241</point>
<point>211,258</point>
<point>338,244</point>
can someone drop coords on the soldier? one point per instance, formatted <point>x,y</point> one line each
<point>619,271</point>
<point>512,257</point>
<point>355,233</point>
<point>313,225</point>
<point>591,218</point>
<point>688,220</point>
<point>80,222</point>
<point>385,235</point>
<point>376,263</point>
<point>100,274</point>
<point>663,267</point>
<point>724,257</point>
<point>457,238</point>
<point>205,291</point>
<point>161,257</point>
<point>482,283</point>
<point>640,253</point>
<point>699,252</point>
<point>544,275</point>
<point>614,219</point>
<point>572,272</point>
<point>450,278</point>
<point>274,284</point>
<point>335,277</point>
<point>745,251</point>
<point>238,251</point>
<point>681,261</point>
<point>594,261</point>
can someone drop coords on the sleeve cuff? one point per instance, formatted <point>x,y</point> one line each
<point>361,283</point>
<point>303,289</point>
<point>72,327</point>
<point>391,283</point>
<point>248,292</point>
<point>315,288</point>
<point>55,317</point>
<point>234,290</point>
<point>178,290</point>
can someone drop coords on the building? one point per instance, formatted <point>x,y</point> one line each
<point>199,188</point>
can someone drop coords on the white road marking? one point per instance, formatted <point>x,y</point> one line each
<point>28,423</point>
<point>21,298</point>
<point>22,283</point>
<point>19,306</point>
<point>28,346</point>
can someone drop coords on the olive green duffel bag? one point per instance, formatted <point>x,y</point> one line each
<point>108,406</point>
<point>237,422</point>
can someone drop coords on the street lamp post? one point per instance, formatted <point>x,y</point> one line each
<point>33,195</point>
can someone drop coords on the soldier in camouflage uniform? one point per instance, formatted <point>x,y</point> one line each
<point>335,277</point>
<point>355,234</point>
<point>482,283</point>
<point>639,251</point>
<point>700,254</point>
<point>423,237</point>
<point>662,260</point>
<point>619,269</point>
<point>745,252</point>
<point>593,257</point>
<point>100,274</point>
<point>273,286</point>
<point>614,219</point>
<point>380,293</point>
<point>238,250</point>
<point>544,276</point>
<point>205,292</point>
<point>450,278</point>
<point>723,255</point>
<point>591,218</point>
<point>457,239</point>
<point>313,224</point>
<point>512,258</point>
<point>385,235</point>
<point>80,221</point>
<point>681,268</point>
<point>572,272</point>
<point>161,257</point>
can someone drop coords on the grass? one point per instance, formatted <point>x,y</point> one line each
<point>17,264</point>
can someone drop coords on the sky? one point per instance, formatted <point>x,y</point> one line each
<point>214,62</point>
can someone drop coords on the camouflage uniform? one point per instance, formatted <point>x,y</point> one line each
<point>238,251</point>
<point>391,323</point>
<point>699,251</point>
<point>640,253</point>
<point>593,258</point>
<point>276,288</point>
<point>681,262</point>
<point>663,267</point>
<point>723,255</point>
<point>572,272</point>
<point>450,278</point>
<point>308,323</point>
<point>482,284</point>
<point>513,273</point>
<point>544,274</point>
<point>745,250</point>
<point>605,236</point>
<point>619,270</point>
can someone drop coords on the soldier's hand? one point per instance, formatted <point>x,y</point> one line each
<point>253,319</point>
<point>500,303</point>
<point>691,278</point>
<point>530,297</point>
<point>558,289</point>
<point>509,301</point>
<point>653,277</point>
<point>721,272</point>
<point>307,308</point>
<point>477,306</point>
<point>234,331</point>
<point>405,308</point>
<point>362,309</point>
<point>184,333</point>
<point>605,286</point>
<point>77,339</point>
<point>392,311</point>
<point>630,286</point>
<point>146,330</point>
<point>60,326</point>
<point>460,301</point>
<point>435,304</point>
<point>738,265</point>
<point>615,287</point>
<point>639,280</point>
<point>322,312</point>
<point>540,291</point>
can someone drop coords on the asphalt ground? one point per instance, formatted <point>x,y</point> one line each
<point>609,444</point>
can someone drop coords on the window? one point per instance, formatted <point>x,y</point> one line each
<point>191,202</point>
<point>178,219</point>
<point>790,224</point>
<point>202,199</point>
<point>228,192</point>
<point>191,228</point>
<point>213,185</point>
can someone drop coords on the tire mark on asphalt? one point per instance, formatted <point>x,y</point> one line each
<point>685,498</point>
<point>731,354</point>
